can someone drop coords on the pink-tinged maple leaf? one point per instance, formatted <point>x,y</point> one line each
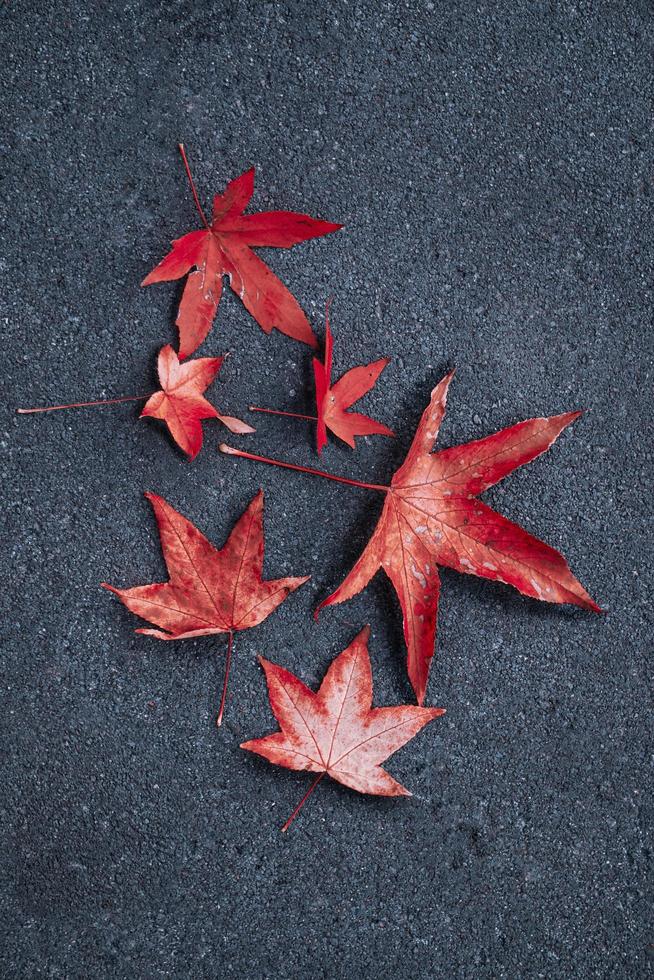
<point>336,731</point>
<point>181,403</point>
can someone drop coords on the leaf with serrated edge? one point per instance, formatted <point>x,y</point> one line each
<point>224,248</point>
<point>209,590</point>
<point>431,516</point>
<point>181,403</point>
<point>336,731</point>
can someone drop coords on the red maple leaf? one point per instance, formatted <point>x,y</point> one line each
<point>209,590</point>
<point>224,248</point>
<point>180,403</point>
<point>333,401</point>
<point>432,516</point>
<point>336,731</point>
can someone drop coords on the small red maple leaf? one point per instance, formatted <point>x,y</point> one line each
<point>209,590</point>
<point>332,401</point>
<point>336,731</point>
<point>180,403</point>
<point>224,248</point>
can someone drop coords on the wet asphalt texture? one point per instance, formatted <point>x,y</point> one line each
<point>492,165</point>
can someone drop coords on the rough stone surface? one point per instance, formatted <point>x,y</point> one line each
<point>492,162</point>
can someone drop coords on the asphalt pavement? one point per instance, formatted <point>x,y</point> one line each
<point>492,165</point>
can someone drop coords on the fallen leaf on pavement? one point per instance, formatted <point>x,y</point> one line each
<point>209,590</point>
<point>336,731</point>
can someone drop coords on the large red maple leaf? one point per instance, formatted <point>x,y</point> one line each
<point>209,590</point>
<point>224,248</point>
<point>432,516</point>
<point>336,731</point>
<point>181,404</point>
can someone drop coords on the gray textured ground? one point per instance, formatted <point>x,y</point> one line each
<point>492,163</point>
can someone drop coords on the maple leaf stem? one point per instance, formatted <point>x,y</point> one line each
<point>191,182</point>
<point>277,411</point>
<point>102,401</point>
<point>302,469</point>
<point>302,801</point>
<point>228,663</point>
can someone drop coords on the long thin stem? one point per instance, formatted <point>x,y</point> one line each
<point>277,411</point>
<point>191,182</point>
<point>302,802</point>
<point>102,401</point>
<point>228,663</point>
<point>301,469</point>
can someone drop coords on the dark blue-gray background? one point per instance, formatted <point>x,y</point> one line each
<point>492,164</point>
